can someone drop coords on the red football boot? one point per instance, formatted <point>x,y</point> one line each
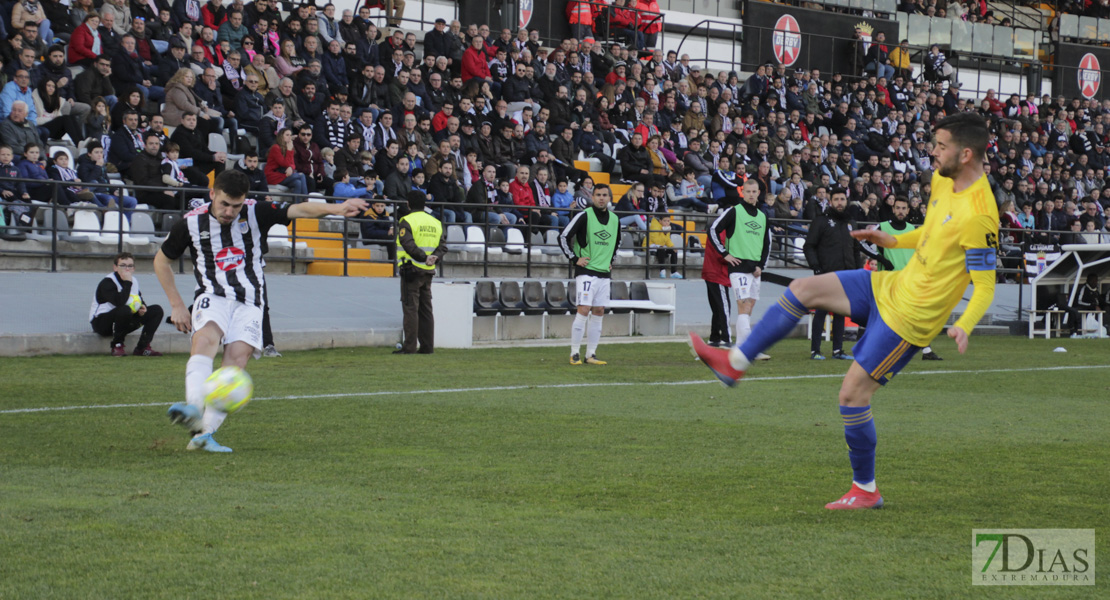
<point>857,498</point>
<point>716,359</point>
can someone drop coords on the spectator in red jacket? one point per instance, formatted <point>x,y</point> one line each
<point>474,65</point>
<point>714,271</point>
<point>626,23</point>
<point>84,43</point>
<point>281,166</point>
<point>523,197</point>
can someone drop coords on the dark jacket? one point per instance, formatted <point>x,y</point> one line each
<point>829,245</point>
<point>123,149</point>
<point>634,160</point>
<point>90,84</point>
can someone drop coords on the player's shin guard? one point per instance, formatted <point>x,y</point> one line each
<point>859,432</point>
<point>577,330</point>
<point>197,371</point>
<point>593,334</point>
<point>777,323</point>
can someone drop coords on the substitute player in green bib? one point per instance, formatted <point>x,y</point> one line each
<point>590,240</point>
<point>900,257</point>
<point>748,243</point>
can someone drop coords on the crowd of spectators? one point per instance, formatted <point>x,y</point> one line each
<point>488,125</point>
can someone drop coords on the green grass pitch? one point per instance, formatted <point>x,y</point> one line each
<point>339,489</point>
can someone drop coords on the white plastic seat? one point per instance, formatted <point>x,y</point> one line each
<point>87,223</point>
<point>113,224</point>
<point>456,239</point>
<point>475,239</point>
<point>69,153</point>
<point>514,241</point>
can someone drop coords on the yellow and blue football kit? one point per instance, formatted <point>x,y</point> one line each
<point>904,310</point>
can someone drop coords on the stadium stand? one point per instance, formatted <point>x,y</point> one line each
<point>425,108</point>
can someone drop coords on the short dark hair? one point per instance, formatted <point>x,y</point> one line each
<point>151,134</point>
<point>837,190</point>
<point>170,147</point>
<point>898,199</point>
<point>340,174</point>
<point>968,130</point>
<point>250,153</point>
<point>416,201</point>
<point>122,256</point>
<point>233,183</point>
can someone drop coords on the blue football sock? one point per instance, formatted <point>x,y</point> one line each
<point>777,323</point>
<point>859,432</point>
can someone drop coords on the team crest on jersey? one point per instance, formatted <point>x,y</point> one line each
<point>244,226</point>
<point>229,258</point>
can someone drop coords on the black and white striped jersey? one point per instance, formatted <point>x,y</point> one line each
<point>227,259</point>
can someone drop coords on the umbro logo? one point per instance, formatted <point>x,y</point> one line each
<point>603,235</point>
<point>205,235</point>
<point>753,225</point>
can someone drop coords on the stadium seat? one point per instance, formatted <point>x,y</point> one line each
<point>456,239</point>
<point>87,223</point>
<point>514,243</point>
<point>572,294</point>
<point>168,221</point>
<point>485,299</point>
<point>535,246</point>
<point>278,237</point>
<point>475,239</point>
<point>637,290</point>
<point>556,295</point>
<point>67,150</point>
<point>626,248</point>
<point>618,290</point>
<point>496,238</point>
<point>143,225</point>
<point>512,301</point>
<point>113,224</point>
<point>552,245</point>
<point>45,232</point>
<point>534,301</point>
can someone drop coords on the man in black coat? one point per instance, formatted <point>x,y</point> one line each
<point>830,247</point>
<point>194,145</point>
<point>127,143</point>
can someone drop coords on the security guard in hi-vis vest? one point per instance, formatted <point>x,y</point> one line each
<point>747,246</point>
<point>590,241</point>
<point>421,242</point>
<point>898,258</point>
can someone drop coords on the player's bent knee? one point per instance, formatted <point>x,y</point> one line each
<point>598,311</point>
<point>584,310</point>
<point>858,387</point>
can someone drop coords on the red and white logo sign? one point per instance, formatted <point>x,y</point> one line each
<point>525,13</point>
<point>786,41</point>
<point>228,259</point>
<point>1090,75</point>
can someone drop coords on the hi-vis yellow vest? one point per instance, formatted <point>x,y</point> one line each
<point>426,232</point>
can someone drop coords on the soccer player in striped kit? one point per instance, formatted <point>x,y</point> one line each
<point>225,239</point>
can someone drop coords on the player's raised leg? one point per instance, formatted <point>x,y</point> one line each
<point>823,292</point>
<point>859,433</point>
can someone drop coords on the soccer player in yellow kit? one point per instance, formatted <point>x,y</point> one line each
<point>904,309</point>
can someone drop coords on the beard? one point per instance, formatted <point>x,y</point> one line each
<point>949,169</point>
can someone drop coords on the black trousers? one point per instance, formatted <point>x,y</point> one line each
<point>720,302</point>
<point>267,331</point>
<point>416,304</point>
<point>818,329</point>
<point>665,255</point>
<point>121,321</point>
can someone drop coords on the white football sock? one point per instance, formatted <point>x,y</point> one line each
<point>212,420</point>
<point>743,328</point>
<point>197,371</point>
<point>927,350</point>
<point>737,360</point>
<point>593,334</point>
<point>867,487</point>
<point>577,330</point>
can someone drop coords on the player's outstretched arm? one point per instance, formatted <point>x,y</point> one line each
<point>874,236</point>
<point>179,313</point>
<point>312,210</point>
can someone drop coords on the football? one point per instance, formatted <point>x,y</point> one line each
<point>228,389</point>
<point>134,302</point>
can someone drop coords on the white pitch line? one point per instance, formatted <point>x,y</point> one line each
<point>551,386</point>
